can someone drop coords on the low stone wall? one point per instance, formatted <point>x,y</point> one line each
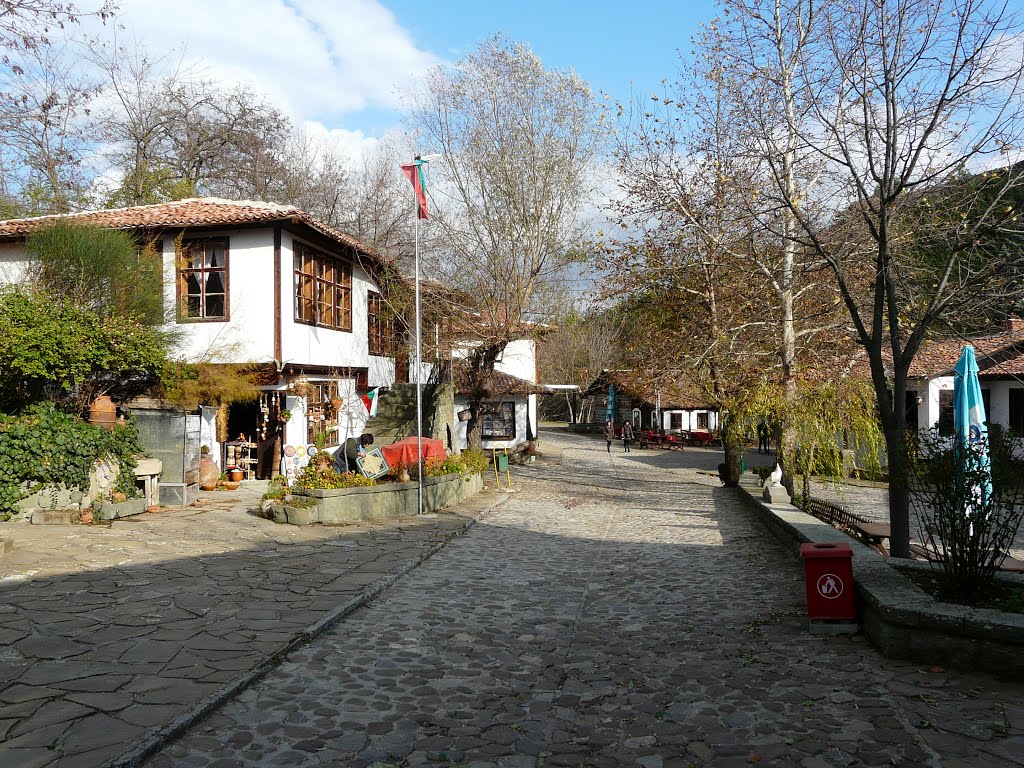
<point>901,619</point>
<point>376,502</point>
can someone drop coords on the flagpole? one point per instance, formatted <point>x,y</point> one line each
<point>414,171</point>
<point>419,372</point>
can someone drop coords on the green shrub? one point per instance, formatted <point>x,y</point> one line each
<point>47,446</point>
<point>312,478</point>
<point>466,463</point>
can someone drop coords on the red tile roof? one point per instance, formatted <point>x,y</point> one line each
<point>998,354</point>
<point>193,212</point>
<point>498,383</point>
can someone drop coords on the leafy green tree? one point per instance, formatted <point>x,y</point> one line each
<point>70,354</point>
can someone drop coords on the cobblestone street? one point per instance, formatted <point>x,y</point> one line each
<point>619,610</point>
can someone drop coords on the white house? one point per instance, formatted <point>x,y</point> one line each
<point>266,285</point>
<point>510,415</point>
<point>626,395</point>
<point>1000,358</point>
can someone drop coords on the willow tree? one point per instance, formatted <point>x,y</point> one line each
<point>517,142</point>
<point>903,98</point>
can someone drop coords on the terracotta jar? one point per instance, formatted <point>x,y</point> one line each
<point>208,472</point>
<point>103,412</point>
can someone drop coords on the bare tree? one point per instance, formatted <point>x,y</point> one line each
<point>46,136</point>
<point>42,101</point>
<point>906,99</point>
<point>578,350</point>
<point>709,240</point>
<point>135,123</point>
<point>516,141</point>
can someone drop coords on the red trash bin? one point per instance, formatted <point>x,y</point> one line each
<point>828,571</point>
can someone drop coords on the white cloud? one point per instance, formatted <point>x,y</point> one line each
<point>319,60</point>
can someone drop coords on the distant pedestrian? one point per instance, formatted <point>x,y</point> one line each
<point>763,436</point>
<point>627,435</point>
<point>609,434</point>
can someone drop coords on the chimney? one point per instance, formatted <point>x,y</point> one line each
<point>1013,325</point>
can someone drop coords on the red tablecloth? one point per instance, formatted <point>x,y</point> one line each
<point>404,451</point>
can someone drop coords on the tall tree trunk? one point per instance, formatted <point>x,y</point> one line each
<point>481,366</point>
<point>731,444</point>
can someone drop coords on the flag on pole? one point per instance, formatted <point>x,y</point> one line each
<point>414,172</point>
<point>370,401</point>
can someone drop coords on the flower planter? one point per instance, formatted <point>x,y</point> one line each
<point>377,502</point>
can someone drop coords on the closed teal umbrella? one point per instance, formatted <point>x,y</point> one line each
<point>969,421</point>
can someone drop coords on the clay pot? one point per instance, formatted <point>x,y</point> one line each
<point>208,473</point>
<point>103,412</point>
<point>229,485</point>
<point>403,475</point>
<point>87,517</point>
<point>236,475</point>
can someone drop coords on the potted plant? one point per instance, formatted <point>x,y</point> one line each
<point>284,416</point>
<point>323,460</point>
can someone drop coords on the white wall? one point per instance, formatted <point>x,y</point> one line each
<point>248,334</point>
<point>689,419</point>
<point>519,358</point>
<point>13,263</point>
<point>459,440</point>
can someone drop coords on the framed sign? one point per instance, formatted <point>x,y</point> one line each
<point>373,464</point>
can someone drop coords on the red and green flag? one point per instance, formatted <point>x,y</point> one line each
<point>414,172</point>
<point>370,401</point>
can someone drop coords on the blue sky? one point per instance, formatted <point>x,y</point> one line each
<point>339,66</point>
<point>613,45</point>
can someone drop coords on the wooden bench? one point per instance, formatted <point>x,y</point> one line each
<point>867,531</point>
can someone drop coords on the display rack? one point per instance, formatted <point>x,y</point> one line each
<point>240,454</point>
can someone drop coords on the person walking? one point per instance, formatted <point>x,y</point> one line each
<point>609,434</point>
<point>762,436</point>
<point>627,435</point>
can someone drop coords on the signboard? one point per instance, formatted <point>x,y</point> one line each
<point>373,464</point>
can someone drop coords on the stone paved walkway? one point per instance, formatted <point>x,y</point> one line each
<point>613,613</point>
<point>108,634</point>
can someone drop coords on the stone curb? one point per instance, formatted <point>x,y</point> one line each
<point>899,618</point>
<point>164,734</point>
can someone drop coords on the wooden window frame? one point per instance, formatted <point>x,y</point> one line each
<point>328,282</point>
<point>184,270</point>
<point>673,418</point>
<point>318,404</point>
<point>380,331</point>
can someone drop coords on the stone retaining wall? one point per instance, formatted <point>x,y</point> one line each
<point>900,618</point>
<point>377,502</point>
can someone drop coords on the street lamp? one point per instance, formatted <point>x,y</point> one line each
<point>414,172</point>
